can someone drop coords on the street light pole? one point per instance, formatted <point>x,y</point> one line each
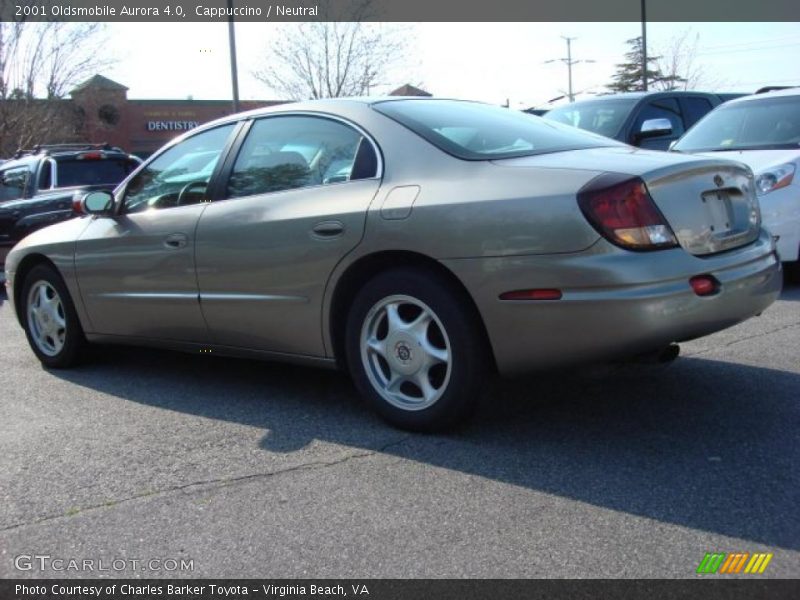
<point>644,46</point>
<point>234,69</point>
<point>569,69</point>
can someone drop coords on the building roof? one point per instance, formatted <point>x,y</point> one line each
<point>99,82</point>
<point>409,90</point>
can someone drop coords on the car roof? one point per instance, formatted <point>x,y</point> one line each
<point>332,106</point>
<point>787,93</point>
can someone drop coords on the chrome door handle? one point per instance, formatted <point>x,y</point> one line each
<point>176,240</point>
<point>328,229</point>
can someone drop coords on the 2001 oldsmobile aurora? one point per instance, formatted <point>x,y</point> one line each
<point>419,243</point>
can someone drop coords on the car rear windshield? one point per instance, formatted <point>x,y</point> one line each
<point>108,171</point>
<point>762,124</point>
<point>604,117</point>
<point>474,131</point>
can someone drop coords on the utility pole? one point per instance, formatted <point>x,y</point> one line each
<point>644,46</point>
<point>234,69</point>
<point>569,62</point>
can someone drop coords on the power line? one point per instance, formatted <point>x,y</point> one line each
<point>750,43</point>
<point>569,62</point>
<point>750,49</point>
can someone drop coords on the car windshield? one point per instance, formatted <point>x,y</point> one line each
<point>604,117</point>
<point>474,131</point>
<point>75,172</point>
<point>763,124</point>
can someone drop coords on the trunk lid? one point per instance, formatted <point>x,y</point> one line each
<point>709,203</point>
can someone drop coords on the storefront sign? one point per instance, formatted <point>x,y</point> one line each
<point>171,125</point>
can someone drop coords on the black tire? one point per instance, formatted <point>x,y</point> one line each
<point>791,272</point>
<point>453,331</point>
<point>60,355</point>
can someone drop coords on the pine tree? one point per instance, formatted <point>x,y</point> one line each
<point>628,77</point>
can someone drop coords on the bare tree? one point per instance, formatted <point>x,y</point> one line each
<point>39,63</point>
<point>678,61</point>
<point>331,59</point>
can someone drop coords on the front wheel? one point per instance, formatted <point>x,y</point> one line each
<point>415,350</point>
<point>51,324</point>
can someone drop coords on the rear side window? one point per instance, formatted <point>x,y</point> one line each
<point>474,131</point>
<point>13,183</point>
<point>694,109</point>
<point>284,153</point>
<point>109,171</point>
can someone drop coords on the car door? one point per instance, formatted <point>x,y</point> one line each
<point>136,269</point>
<point>294,204</point>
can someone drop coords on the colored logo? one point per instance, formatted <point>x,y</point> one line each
<point>735,562</point>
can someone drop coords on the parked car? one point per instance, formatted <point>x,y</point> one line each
<point>419,243</point>
<point>645,119</point>
<point>37,186</point>
<point>762,131</point>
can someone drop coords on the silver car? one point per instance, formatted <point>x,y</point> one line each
<point>420,244</point>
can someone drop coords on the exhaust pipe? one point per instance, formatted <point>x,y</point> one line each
<point>668,354</point>
<point>663,356</point>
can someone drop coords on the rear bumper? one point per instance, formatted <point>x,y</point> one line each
<point>615,303</point>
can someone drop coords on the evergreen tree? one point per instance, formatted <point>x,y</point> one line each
<point>628,77</point>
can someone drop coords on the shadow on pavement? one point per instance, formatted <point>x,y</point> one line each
<point>704,444</point>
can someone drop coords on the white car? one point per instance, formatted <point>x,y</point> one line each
<point>762,131</point>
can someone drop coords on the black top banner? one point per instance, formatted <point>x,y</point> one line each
<point>398,10</point>
<point>397,589</point>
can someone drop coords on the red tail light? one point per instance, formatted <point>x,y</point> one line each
<point>77,202</point>
<point>622,211</point>
<point>91,156</point>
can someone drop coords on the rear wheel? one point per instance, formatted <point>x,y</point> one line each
<point>415,350</point>
<point>792,271</point>
<point>51,324</point>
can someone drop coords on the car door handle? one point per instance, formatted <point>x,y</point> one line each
<point>176,240</point>
<point>328,229</point>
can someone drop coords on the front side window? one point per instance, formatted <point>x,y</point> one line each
<point>180,175</point>
<point>694,109</point>
<point>284,153</point>
<point>13,183</point>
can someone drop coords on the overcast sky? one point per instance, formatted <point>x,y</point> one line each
<point>492,62</point>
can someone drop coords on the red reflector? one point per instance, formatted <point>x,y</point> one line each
<point>704,285</point>
<point>532,295</point>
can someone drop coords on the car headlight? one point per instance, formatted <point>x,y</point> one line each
<point>774,178</point>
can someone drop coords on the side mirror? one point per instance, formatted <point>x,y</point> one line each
<point>654,128</point>
<point>93,203</point>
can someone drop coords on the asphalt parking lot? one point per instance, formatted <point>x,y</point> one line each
<point>262,470</point>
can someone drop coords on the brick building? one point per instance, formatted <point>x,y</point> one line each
<point>143,126</point>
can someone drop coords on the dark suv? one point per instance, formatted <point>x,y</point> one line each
<point>646,119</point>
<point>37,185</point>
